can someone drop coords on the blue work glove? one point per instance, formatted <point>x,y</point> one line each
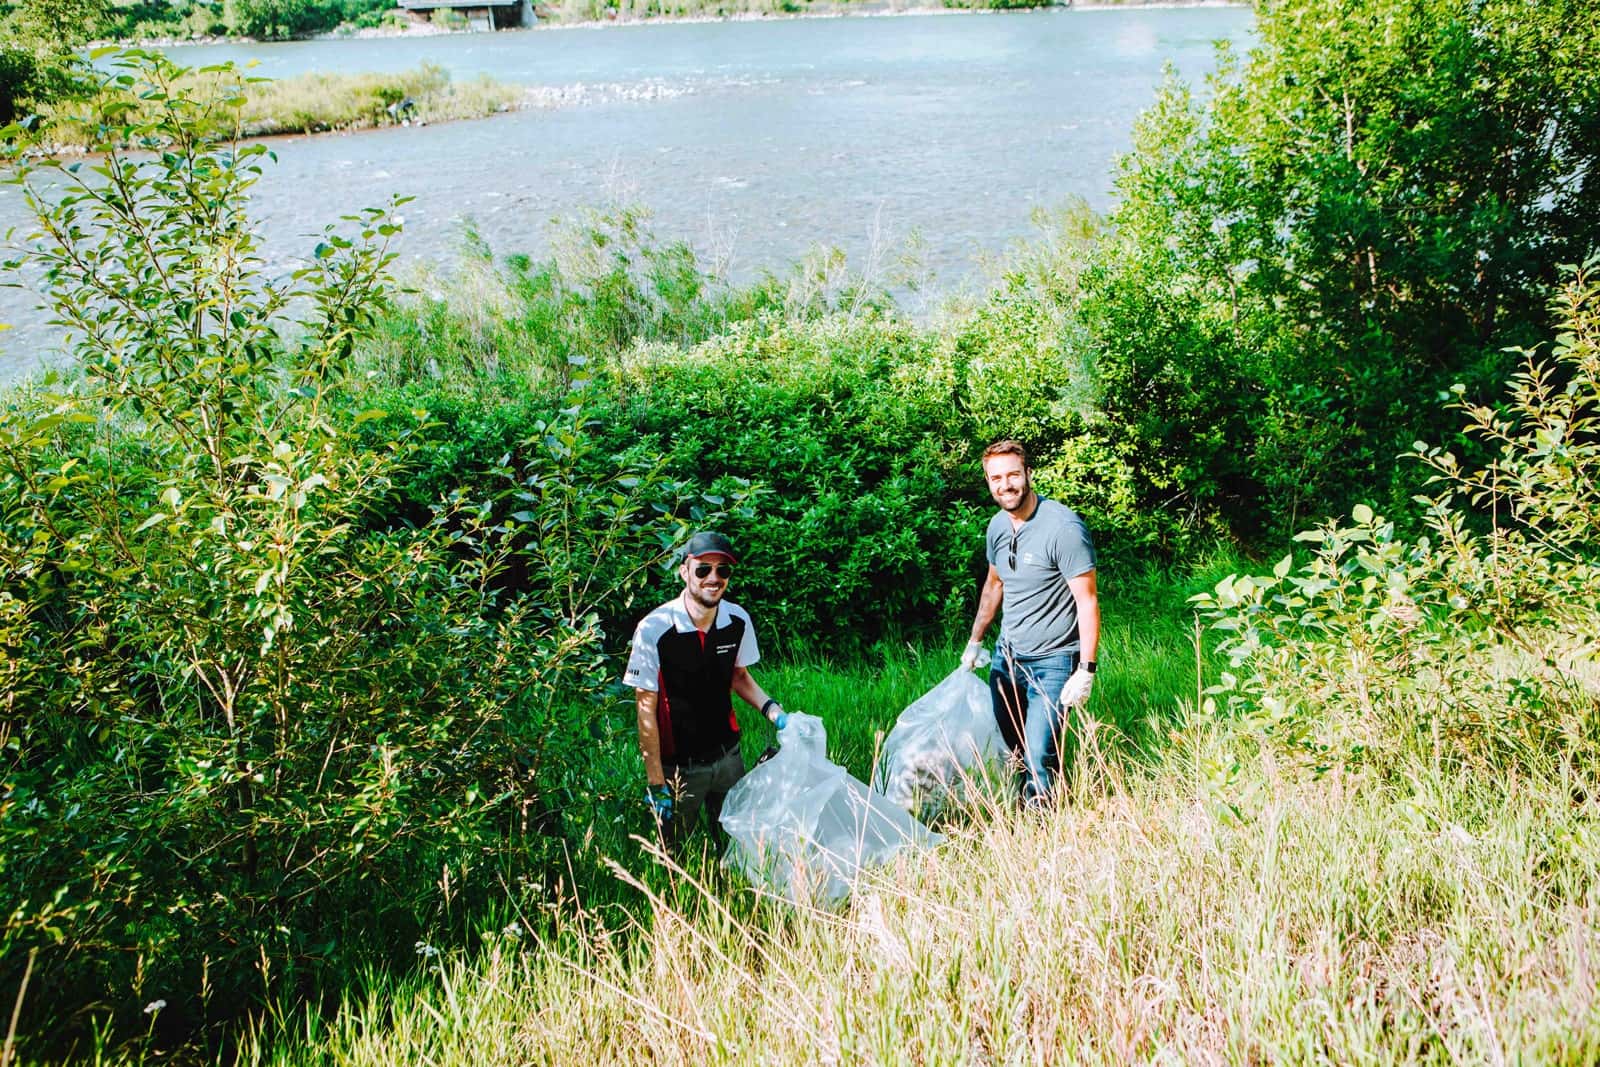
<point>659,797</point>
<point>780,719</point>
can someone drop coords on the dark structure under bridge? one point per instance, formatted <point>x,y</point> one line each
<point>480,14</point>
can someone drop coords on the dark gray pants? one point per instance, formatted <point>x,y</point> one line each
<point>697,786</point>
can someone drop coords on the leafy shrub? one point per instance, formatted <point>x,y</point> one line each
<point>1026,370</point>
<point>1360,213</point>
<point>868,519</point>
<point>1475,649</point>
<point>17,67</point>
<point>856,430</point>
<point>257,730</point>
<point>281,19</point>
<point>37,61</point>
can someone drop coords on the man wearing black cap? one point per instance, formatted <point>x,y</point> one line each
<point>689,656</point>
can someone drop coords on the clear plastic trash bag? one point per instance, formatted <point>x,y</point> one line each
<point>804,827</point>
<point>944,741</point>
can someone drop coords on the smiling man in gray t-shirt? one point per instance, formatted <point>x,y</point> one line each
<point>1041,570</point>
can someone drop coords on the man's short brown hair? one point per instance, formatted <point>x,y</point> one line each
<point>1007,447</point>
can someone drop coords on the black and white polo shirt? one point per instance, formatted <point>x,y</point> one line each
<point>693,673</point>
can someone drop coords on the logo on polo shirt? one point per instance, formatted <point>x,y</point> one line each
<point>726,648</point>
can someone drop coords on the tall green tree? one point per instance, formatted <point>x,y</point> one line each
<point>36,42</point>
<point>1368,207</point>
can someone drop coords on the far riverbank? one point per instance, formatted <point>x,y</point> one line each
<point>868,9</point>
<point>558,17</point>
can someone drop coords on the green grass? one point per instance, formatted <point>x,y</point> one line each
<point>317,102</point>
<point>1330,921</point>
<point>328,101</point>
<point>1192,901</point>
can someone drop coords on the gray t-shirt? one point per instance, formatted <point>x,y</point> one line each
<point>1039,616</point>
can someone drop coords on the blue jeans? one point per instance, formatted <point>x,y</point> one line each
<point>1027,707</point>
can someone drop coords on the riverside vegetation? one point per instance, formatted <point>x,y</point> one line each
<point>88,105</point>
<point>39,39</point>
<point>312,591</point>
<point>306,103</point>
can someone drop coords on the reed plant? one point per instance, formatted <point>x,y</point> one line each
<point>334,101</point>
<point>307,103</point>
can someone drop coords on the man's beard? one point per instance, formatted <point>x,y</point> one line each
<point>704,599</point>
<point>1021,501</point>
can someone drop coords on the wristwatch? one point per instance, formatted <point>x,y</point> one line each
<point>1089,665</point>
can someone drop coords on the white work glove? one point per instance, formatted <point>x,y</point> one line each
<point>1075,694</point>
<point>969,658</point>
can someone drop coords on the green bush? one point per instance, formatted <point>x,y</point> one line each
<point>856,430</point>
<point>829,461</point>
<point>37,60</point>
<point>258,731</point>
<point>869,519</point>
<point>1363,211</point>
<point>280,19</point>
<point>1026,370</point>
<point>1472,650</point>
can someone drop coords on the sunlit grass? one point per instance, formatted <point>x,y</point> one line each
<point>1336,921</point>
<point>316,102</point>
<point>1193,905</point>
<point>327,101</point>
<point>1189,901</point>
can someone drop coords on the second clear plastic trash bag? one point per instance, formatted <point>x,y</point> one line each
<point>804,827</point>
<point>944,740</point>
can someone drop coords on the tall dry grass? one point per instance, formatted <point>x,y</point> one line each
<point>1151,919</point>
<point>308,103</point>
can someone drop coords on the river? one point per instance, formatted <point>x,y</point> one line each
<point>753,140</point>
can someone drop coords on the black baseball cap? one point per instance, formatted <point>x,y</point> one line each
<point>707,543</point>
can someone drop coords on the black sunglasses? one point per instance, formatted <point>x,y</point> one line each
<point>1013,559</point>
<point>723,569</point>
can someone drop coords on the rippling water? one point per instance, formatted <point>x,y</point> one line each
<point>751,139</point>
